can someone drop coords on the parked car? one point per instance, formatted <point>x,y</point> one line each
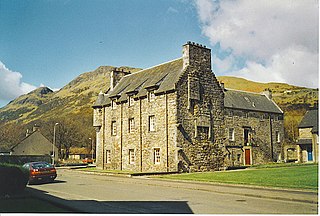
<point>41,172</point>
<point>87,160</point>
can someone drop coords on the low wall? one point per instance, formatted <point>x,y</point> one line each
<point>22,159</point>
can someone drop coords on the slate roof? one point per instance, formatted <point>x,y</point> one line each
<point>162,78</point>
<point>249,101</point>
<point>309,120</point>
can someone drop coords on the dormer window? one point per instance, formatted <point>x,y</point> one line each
<point>131,101</point>
<point>113,104</point>
<point>151,96</point>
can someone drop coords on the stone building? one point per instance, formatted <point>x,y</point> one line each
<point>176,116</point>
<point>34,144</point>
<point>308,143</point>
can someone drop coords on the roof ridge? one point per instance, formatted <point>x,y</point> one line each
<point>153,66</point>
<point>246,91</point>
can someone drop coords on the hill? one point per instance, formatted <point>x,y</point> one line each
<point>71,107</point>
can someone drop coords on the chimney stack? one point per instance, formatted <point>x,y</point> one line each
<point>115,76</point>
<point>196,55</point>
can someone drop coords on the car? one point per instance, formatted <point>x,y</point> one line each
<point>40,172</point>
<point>87,160</point>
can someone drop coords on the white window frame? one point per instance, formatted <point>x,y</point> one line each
<point>131,101</point>
<point>152,123</point>
<point>113,104</point>
<point>156,156</point>
<point>131,156</point>
<point>151,96</point>
<point>113,128</point>
<point>278,138</point>
<point>131,125</point>
<point>231,132</point>
<point>108,156</point>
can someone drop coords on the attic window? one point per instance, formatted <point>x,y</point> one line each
<point>131,101</point>
<point>151,96</point>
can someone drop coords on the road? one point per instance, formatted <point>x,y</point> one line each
<point>91,193</point>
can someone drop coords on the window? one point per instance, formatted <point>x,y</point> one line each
<point>151,96</point>
<point>238,157</point>
<point>278,136</point>
<point>113,104</point>
<point>202,132</point>
<point>131,101</point>
<point>231,134</point>
<point>108,159</point>
<point>152,126</point>
<point>131,125</point>
<point>113,128</point>
<point>131,156</point>
<point>156,155</point>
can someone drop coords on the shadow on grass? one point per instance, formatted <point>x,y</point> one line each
<point>112,207</point>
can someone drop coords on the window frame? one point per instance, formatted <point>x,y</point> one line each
<point>232,137</point>
<point>132,156</point>
<point>113,128</point>
<point>108,156</point>
<point>156,156</point>
<point>131,125</point>
<point>152,123</point>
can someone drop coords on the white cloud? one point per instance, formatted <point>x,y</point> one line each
<point>11,85</point>
<point>269,34</point>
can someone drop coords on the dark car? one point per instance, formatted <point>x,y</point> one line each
<point>41,172</point>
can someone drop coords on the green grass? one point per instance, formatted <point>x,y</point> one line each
<point>93,169</point>
<point>298,177</point>
<point>28,205</point>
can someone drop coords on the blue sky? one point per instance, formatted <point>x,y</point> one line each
<point>50,42</point>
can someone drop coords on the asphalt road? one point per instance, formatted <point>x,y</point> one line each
<point>91,193</point>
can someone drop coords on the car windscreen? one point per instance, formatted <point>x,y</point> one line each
<point>41,165</point>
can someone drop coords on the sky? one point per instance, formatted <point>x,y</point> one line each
<point>51,42</point>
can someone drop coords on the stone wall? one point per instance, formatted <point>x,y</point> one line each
<point>262,129</point>
<point>200,113</point>
<point>139,139</point>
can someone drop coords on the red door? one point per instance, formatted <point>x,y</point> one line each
<point>247,157</point>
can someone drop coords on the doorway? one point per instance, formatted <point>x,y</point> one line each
<point>247,156</point>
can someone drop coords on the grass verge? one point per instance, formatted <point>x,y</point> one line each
<point>297,177</point>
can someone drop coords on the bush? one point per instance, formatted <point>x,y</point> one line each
<point>13,179</point>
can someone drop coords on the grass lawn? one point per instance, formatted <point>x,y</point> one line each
<point>28,205</point>
<point>299,177</point>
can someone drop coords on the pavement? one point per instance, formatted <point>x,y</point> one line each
<point>302,196</point>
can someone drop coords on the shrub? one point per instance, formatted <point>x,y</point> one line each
<point>13,179</point>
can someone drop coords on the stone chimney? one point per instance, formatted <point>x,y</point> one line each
<point>196,55</point>
<point>28,133</point>
<point>222,86</point>
<point>115,76</point>
<point>267,93</point>
<point>35,128</point>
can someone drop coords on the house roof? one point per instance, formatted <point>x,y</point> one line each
<point>249,101</point>
<point>310,120</point>
<point>161,78</point>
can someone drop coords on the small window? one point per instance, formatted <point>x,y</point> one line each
<point>156,155</point>
<point>113,104</point>
<point>131,101</point>
<point>152,126</point>
<point>238,157</point>
<point>202,132</point>
<point>131,156</point>
<point>278,136</point>
<point>231,134</point>
<point>113,128</point>
<point>151,96</point>
<point>131,125</point>
<point>108,159</point>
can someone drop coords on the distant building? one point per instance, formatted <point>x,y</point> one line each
<point>34,144</point>
<point>78,153</point>
<point>176,116</point>
<point>308,143</point>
